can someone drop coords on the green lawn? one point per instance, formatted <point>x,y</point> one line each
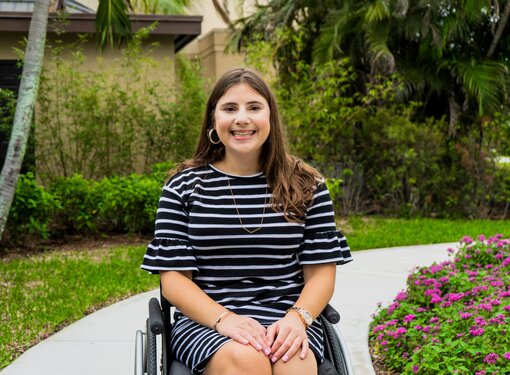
<point>370,233</point>
<point>41,293</point>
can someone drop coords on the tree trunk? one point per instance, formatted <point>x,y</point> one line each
<point>24,109</point>
<point>499,31</point>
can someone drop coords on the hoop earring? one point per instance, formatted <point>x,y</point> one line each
<point>209,135</point>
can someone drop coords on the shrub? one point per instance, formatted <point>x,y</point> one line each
<point>78,213</point>
<point>94,124</point>
<point>75,205</point>
<point>127,204</point>
<point>453,317</point>
<point>31,212</point>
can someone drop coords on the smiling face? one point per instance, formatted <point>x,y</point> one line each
<point>242,121</point>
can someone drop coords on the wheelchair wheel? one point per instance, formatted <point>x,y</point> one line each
<point>151,351</point>
<point>333,347</point>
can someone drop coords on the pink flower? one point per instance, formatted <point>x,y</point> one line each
<point>507,355</point>
<point>506,262</point>
<point>400,331</point>
<point>480,321</point>
<point>476,331</point>
<point>483,372</point>
<point>409,318</point>
<point>505,294</point>
<point>435,299</point>
<point>466,239</point>
<point>481,237</point>
<point>464,315</point>
<point>415,369</point>
<point>384,343</point>
<point>401,296</point>
<point>435,268</point>
<point>491,358</point>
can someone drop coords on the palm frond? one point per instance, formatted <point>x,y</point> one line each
<point>377,11</point>
<point>113,26</point>
<point>331,36</point>
<point>484,81</point>
<point>381,58</point>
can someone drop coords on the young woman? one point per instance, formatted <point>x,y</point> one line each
<point>246,243</point>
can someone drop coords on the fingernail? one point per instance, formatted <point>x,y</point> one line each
<point>267,351</point>
<point>285,358</point>
<point>274,359</point>
<point>259,347</point>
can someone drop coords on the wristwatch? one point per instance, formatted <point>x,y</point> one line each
<point>305,316</point>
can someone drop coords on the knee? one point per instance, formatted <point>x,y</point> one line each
<point>236,358</point>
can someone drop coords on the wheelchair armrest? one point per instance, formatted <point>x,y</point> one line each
<point>156,324</point>
<point>331,314</point>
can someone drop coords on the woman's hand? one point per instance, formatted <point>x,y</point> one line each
<point>287,336</point>
<point>245,330</point>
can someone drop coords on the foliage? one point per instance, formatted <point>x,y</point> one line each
<point>452,316</point>
<point>7,110</point>
<point>451,55</point>
<point>76,282</point>
<point>94,124</point>
<point>75,205</point>
<point>31,211</point>
<point>390,159</point>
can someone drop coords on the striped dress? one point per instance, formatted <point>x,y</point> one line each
<point>200,226</point>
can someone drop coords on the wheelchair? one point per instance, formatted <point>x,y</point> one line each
<point>336,358</point>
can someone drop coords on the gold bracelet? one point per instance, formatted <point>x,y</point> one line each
<point>222,315</point>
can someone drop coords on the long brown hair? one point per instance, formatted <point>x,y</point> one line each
<point>291,180</point>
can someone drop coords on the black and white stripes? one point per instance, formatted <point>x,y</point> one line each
<point>198,228</point>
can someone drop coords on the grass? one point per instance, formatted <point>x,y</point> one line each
<point>42,293</point>
<point>374,232</point>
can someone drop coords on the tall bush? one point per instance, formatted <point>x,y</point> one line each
<point>118,118</point>
<point>383,159</point>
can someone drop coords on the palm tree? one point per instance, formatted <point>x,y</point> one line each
<point>451,54</point>
<point>25,107</point>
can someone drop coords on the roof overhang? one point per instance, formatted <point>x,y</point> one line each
<point>183,28</point>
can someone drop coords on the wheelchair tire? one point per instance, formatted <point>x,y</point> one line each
<point>152,361</point>
<point>337,354</point>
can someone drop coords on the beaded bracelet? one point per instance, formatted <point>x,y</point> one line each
<point>222,315</point>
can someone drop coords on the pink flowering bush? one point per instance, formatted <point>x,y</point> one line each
<point>453,317</point>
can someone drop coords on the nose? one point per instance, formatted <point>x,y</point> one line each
<point>242,117</point>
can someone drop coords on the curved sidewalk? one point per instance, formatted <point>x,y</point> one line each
<point>103,342</point>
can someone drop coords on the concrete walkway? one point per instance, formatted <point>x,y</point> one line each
<point>103,342</point>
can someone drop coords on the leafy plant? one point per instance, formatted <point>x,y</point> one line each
<point>31,212</point>
<point>453,316</point>
<point>93,124</point>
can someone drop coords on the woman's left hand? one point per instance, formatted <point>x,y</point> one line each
<point>287,336</point>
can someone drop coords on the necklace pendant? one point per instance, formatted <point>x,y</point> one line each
<point>253,230</point>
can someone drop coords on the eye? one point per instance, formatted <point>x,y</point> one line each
<point>255,108</point>
<point>229,108</point>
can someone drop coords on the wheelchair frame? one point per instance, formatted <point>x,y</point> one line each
<point>336,356</point>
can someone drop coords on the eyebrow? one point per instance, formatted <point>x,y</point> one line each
<point>235,103</point>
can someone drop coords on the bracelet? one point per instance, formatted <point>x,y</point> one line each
<point>222,315</point>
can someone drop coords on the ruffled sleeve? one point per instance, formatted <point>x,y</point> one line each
<point>170,249</point>
<point>322,242</point>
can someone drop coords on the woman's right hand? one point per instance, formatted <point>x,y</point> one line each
<point>244,330</point>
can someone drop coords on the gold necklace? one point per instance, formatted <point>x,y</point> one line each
<point>239,215</point>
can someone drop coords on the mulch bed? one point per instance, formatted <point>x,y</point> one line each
<point>72,243</point>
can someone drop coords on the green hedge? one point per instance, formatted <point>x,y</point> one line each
<point>74,205</point>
